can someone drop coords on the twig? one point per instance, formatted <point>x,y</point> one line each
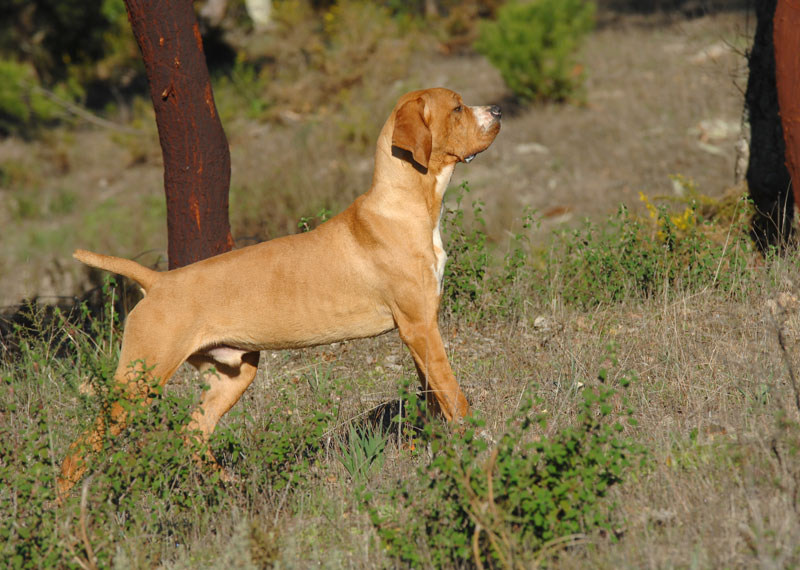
<point>476,552</point>
<point>789,367</point>
<point>84,114</point>
<point>90,557</point>
<point>354,418</point>
<point>556,544</point>
<point>779,309</point>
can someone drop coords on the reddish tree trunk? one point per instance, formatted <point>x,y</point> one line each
<point>786,37</point>
<point>197,164</point>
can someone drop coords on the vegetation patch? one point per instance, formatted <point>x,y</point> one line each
<point>534,46</point>
<point>512,503</point>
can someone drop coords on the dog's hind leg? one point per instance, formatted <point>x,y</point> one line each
<point>226,383</point>
<point>147,355</point>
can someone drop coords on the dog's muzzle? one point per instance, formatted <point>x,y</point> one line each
<point>488,117</point>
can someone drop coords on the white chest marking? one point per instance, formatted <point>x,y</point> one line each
<point>442,180</point>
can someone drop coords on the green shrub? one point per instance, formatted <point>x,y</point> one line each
<point>22,102</point>
<point>534,44</point>
<point>46,355</point>
<point>476,282</point>
<point>56,53</point>
<point>631,257</point>
<point>60,34</point>
<point>467,254</point>
<point>514,502</point>
<point>276,452</point>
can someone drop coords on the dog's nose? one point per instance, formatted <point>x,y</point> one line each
<point>495,111</point>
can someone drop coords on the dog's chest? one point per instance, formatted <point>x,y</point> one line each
<point>441,255</point>
<point>442,180</point>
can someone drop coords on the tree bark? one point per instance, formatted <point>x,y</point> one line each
<point>767,177</point>
<point>197,163</point>
<point>786,36</point>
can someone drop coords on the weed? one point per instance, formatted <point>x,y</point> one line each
<point>362,453</point>
<point>515,503</point>
<point>274,454</point>
<point>468,254</point>
<point>22,104</point>
<point>308,223</point>
<point>475,283</point>
<point>245,87</point>
<point>147,480</point>
<point>629,257</point>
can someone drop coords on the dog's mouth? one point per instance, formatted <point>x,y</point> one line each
<point>469,158</point>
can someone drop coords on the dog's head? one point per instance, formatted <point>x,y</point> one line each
<point>434,127</point>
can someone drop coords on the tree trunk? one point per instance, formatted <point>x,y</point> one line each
<point>787,75</point>
<point>767,177</point>
<point>197,164</point>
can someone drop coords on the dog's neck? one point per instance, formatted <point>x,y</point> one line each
<point>409,183</point>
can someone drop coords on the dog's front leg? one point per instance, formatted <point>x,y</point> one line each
<point>425,343</point>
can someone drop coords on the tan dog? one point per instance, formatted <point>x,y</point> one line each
<point>376,266</point>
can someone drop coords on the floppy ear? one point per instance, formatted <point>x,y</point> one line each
<point>411,133</point>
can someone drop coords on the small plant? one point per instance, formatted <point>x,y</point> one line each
<point>150,480</point>
<point>516,503</point>
<point>468,254</point>
<point>511,282</point>
<point>308,223</point>
<point>246,86</point>
<point>274,454</point>
<point>362,453</point>
<point>533,45</point>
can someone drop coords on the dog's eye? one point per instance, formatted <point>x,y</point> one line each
<point>457,109</point>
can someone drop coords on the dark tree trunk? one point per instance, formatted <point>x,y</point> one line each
<point>197,164</point>
<point>787,76</point>
<point>767,177</point>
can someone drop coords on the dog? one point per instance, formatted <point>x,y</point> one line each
<point>375,267</point>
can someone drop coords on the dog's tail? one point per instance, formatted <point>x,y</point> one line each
<point>144,276</point>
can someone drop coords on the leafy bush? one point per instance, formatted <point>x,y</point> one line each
<point>276,452</point>
<point>533,45</point>
<point>630,257</point>
<point>475,282</point>
<point>57,35</point>
<point>46,354</point>
<point>22,101</point>
<point>517,501</point>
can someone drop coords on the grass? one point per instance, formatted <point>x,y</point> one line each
<point>693,463</point>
